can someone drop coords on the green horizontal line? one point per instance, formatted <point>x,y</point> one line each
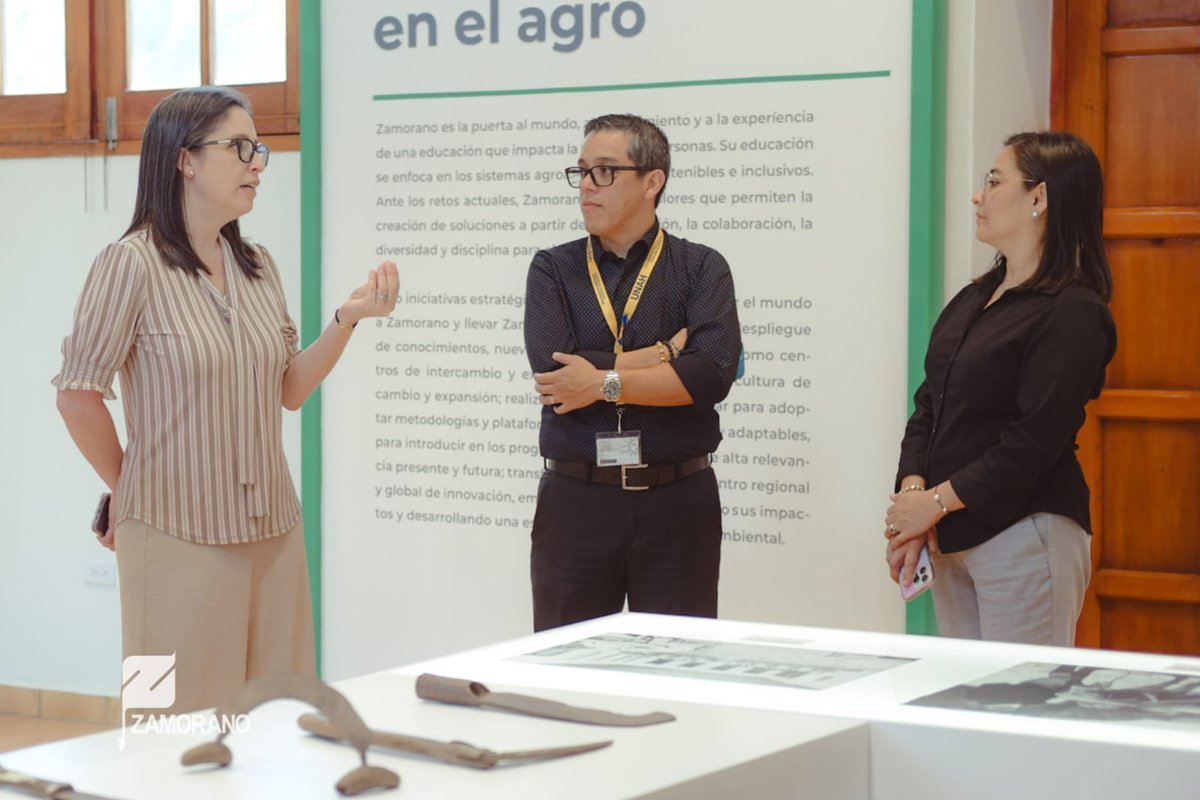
<point>620,87</point>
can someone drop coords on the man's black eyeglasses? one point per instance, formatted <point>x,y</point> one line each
<point>246,148</point>
<point>601,174</point>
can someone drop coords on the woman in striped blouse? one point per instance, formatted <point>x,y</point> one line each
<point>205,520</point>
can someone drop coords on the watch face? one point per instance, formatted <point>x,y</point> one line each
<point>612,387</point>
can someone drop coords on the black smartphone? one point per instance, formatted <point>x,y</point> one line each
<point>100,518</point>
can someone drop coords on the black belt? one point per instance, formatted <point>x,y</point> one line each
<point>632,477</point>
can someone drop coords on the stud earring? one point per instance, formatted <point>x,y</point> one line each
<point>192,175</point>
<point>1036,213</point>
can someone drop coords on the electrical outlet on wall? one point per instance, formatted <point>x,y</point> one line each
<point>100,573</point>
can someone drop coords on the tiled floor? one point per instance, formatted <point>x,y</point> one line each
<point>20,731</point>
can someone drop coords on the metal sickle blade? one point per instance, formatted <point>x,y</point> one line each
<point>552,752</point>
<point>552,709</point>
<point>461,753</point>
<point>472,693</point>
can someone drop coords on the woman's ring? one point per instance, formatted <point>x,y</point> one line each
<point>381,297</point>
<point>892,528</point>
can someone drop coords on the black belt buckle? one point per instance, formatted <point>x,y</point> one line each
<point>625,476</point>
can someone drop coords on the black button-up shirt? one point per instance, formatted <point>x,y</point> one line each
<point>690,287</point>
<point>1003,398</point>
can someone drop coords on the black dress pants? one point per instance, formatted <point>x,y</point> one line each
<point>595,545</point>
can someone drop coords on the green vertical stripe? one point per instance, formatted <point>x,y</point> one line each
<point>311,317</point>
<point>926,214</point>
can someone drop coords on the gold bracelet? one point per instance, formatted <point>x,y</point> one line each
<point>913,487</point>
<point>663,354</point>
<point>937,498</point>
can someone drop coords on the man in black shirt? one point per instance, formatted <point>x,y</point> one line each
<point>633,336</point>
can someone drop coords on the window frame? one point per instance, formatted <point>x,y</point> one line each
<point>75,122</point>
<point>56,119</point>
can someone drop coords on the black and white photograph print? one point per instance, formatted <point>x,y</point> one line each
<point>770,665</point>
<point>1094,694</point>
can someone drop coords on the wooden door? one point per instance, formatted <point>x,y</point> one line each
<point>1126,77</point>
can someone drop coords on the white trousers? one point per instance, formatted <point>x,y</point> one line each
<point>1025,585</point>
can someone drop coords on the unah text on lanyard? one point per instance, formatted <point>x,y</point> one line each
<point>635,295</point>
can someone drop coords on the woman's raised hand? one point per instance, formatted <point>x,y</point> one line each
<point>375,298</point>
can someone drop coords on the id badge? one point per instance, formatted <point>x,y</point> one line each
<point>615,449</point>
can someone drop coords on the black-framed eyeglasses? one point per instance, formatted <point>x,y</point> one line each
<point>601,174</point>
<point>246,148</point>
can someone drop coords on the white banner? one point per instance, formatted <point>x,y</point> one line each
<point>447,126</point>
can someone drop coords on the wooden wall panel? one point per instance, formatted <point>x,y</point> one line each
<point>1158,337</point>
<point>1126,78</point>
<point>1153,119</point>
<point>1149,12</point>
<point>1149,524</point>
<point>1154,627</point>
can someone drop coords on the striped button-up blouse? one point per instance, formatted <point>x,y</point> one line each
<point>201,376</point>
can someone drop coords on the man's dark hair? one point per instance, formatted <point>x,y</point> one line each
<point>648,145</point>
<point>1073,250</point>
<point>181,122</point>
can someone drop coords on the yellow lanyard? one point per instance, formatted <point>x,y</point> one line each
<point>635,295</point>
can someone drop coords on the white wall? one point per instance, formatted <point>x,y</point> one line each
<point>998,83</point>
<point>56,632</point>
<point>474,578</point>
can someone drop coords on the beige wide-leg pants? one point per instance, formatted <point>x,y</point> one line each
<point>227,612</point>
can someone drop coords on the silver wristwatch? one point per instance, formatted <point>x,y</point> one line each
<point>612,387</point>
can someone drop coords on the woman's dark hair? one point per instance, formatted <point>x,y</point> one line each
<point>181,122</point>
<point>1073,250</point>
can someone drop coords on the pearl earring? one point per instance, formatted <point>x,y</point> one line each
<point>1036,213</point>
<point>192,175</point>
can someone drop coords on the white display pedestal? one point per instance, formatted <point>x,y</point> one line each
<point>916,752</point>
<point>707,752</point>
<point>732,739</point>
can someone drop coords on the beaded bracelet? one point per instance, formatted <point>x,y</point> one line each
<point>937,498</point>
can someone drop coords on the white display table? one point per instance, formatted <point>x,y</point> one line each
<point>916,752</point>
<point>853,739</point>
<point>707,752</point>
